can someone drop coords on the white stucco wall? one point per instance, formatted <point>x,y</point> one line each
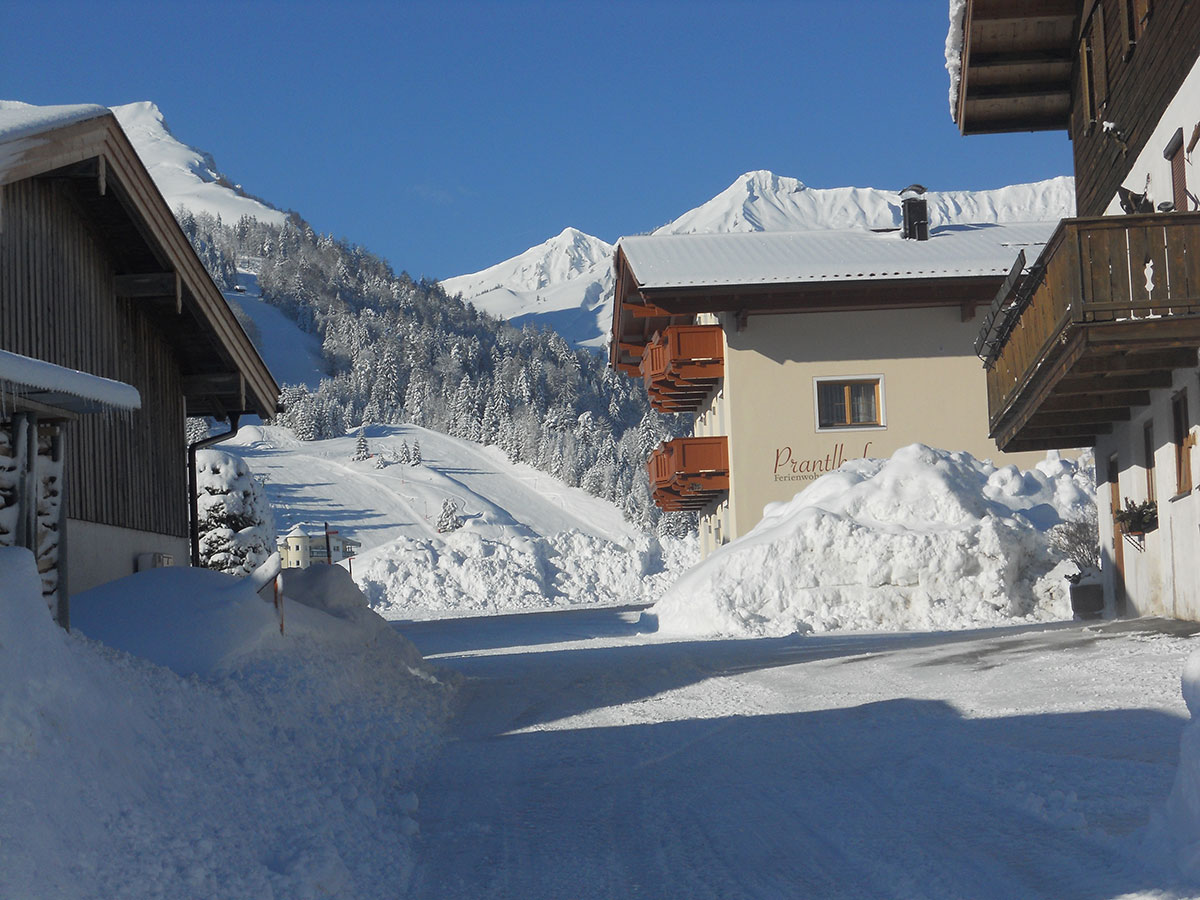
<point>1161,570</point>
<point>98,553</point>
<point>934,393</point>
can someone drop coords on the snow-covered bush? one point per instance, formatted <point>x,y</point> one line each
<point>236,524</point>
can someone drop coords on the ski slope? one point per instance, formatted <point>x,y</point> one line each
<point>528,540</point>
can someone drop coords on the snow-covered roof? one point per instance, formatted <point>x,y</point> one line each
<point>18,120</point>
<point>63,388</point>
<point>952,251</point>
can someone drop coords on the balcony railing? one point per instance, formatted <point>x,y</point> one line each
<point>681,364</point>
<point>1109,308</point>
<point>689,473</point>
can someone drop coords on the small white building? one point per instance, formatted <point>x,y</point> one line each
<point>299,550</point>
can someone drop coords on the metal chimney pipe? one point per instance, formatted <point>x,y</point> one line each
<point>916,213</point>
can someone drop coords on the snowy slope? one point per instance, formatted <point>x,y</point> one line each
<point>292,355</point>
<point>528,540</point>
<point>187,176</point>
<point>566,283</point>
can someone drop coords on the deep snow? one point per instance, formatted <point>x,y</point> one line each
<point>925,540</point>
<point>198,752</point>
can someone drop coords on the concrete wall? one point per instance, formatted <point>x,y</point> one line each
<point>932,385</point>
<point>98,553</point>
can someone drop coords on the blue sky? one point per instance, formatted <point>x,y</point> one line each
<point>449,136</point>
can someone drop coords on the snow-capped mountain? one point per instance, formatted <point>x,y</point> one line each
<point>187,176</point>
<point>566,283</point>
<point>764,201</point>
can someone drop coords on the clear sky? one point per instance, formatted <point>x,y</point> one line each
<point>448,136</point>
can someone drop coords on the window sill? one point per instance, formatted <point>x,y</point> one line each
<point>833,429</point>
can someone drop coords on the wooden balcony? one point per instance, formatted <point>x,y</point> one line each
<point>689,473</point>
<point>681,365</point>
<point>1109,309</point>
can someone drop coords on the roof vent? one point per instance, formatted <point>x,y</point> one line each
<point>916,213</point>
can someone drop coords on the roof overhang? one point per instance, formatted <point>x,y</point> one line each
<point>1018,59</point>
<point>157,269</point>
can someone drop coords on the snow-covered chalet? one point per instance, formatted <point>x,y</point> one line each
<point>797,351</point>
<point>111,333</point>
<point>1096,342</point>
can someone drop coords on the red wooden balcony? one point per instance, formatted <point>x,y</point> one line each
<point>1111,306</point>
<point>689,473</point>
<point>681,364</point>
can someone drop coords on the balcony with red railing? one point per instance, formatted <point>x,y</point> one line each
<point>689,473</point>
<point>681,365</point>
<point>1109,309</point>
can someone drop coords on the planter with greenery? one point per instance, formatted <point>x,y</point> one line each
<point>1137,518</point>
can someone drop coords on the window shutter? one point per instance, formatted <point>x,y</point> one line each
<point>1099,58</point>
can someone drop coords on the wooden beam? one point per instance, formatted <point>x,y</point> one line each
<point>1022,10</point>
<point>1110,400</point>
<point>153,286</point>
<point>1049,443</point>
<point>1078,417</point>
<point>1077,433</point>
<point>1136,362</point>
<point>1098,383</point>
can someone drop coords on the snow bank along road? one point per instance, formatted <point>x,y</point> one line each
<point>592,760</point>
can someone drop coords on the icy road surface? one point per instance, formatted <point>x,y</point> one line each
<point>592,760</point>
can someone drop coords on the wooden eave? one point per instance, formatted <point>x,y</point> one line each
<point>966,292</point>
<point>1018,58</point>
<point>129,215</point>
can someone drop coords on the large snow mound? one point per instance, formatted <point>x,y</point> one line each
<point>279,767</point>
<point>467,574</point>
<point>926,540</point>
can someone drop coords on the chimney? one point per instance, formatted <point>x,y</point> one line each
<point>916,213</point>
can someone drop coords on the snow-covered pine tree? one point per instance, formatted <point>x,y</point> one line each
<point>361,451</point>
<point>414,456</point>
<point>404,455</point>
<point>449,520</point>
<point>236,525</point>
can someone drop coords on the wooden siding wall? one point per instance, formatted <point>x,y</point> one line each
<point>1139,85</point>
<point>57,303</point>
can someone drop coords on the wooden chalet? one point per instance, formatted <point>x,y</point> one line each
<point>1093,341</point>
<point>793,352</point>
<point>99,284</point>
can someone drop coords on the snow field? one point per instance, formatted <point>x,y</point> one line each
<point>926,540</point>
<point>279,766</point>
<point>528,541</point>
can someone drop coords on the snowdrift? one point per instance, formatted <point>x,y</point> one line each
<point>467,574</point>
<point>926,540</point>
<point>278,767</point>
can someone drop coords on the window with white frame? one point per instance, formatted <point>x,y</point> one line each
<point>849,402</point>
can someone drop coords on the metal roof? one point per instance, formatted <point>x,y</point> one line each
<point>952,251</point>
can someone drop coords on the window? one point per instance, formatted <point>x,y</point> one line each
<point>1182,439</point>
<point>849,402</point>
<point>1148,459</point>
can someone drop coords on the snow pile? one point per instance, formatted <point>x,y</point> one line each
<point>237,527</point>
<point>926,540</point>
<point>465,573</point>
<point>279,768</point>
<point>1173,836</point>
<point>24,372</point>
